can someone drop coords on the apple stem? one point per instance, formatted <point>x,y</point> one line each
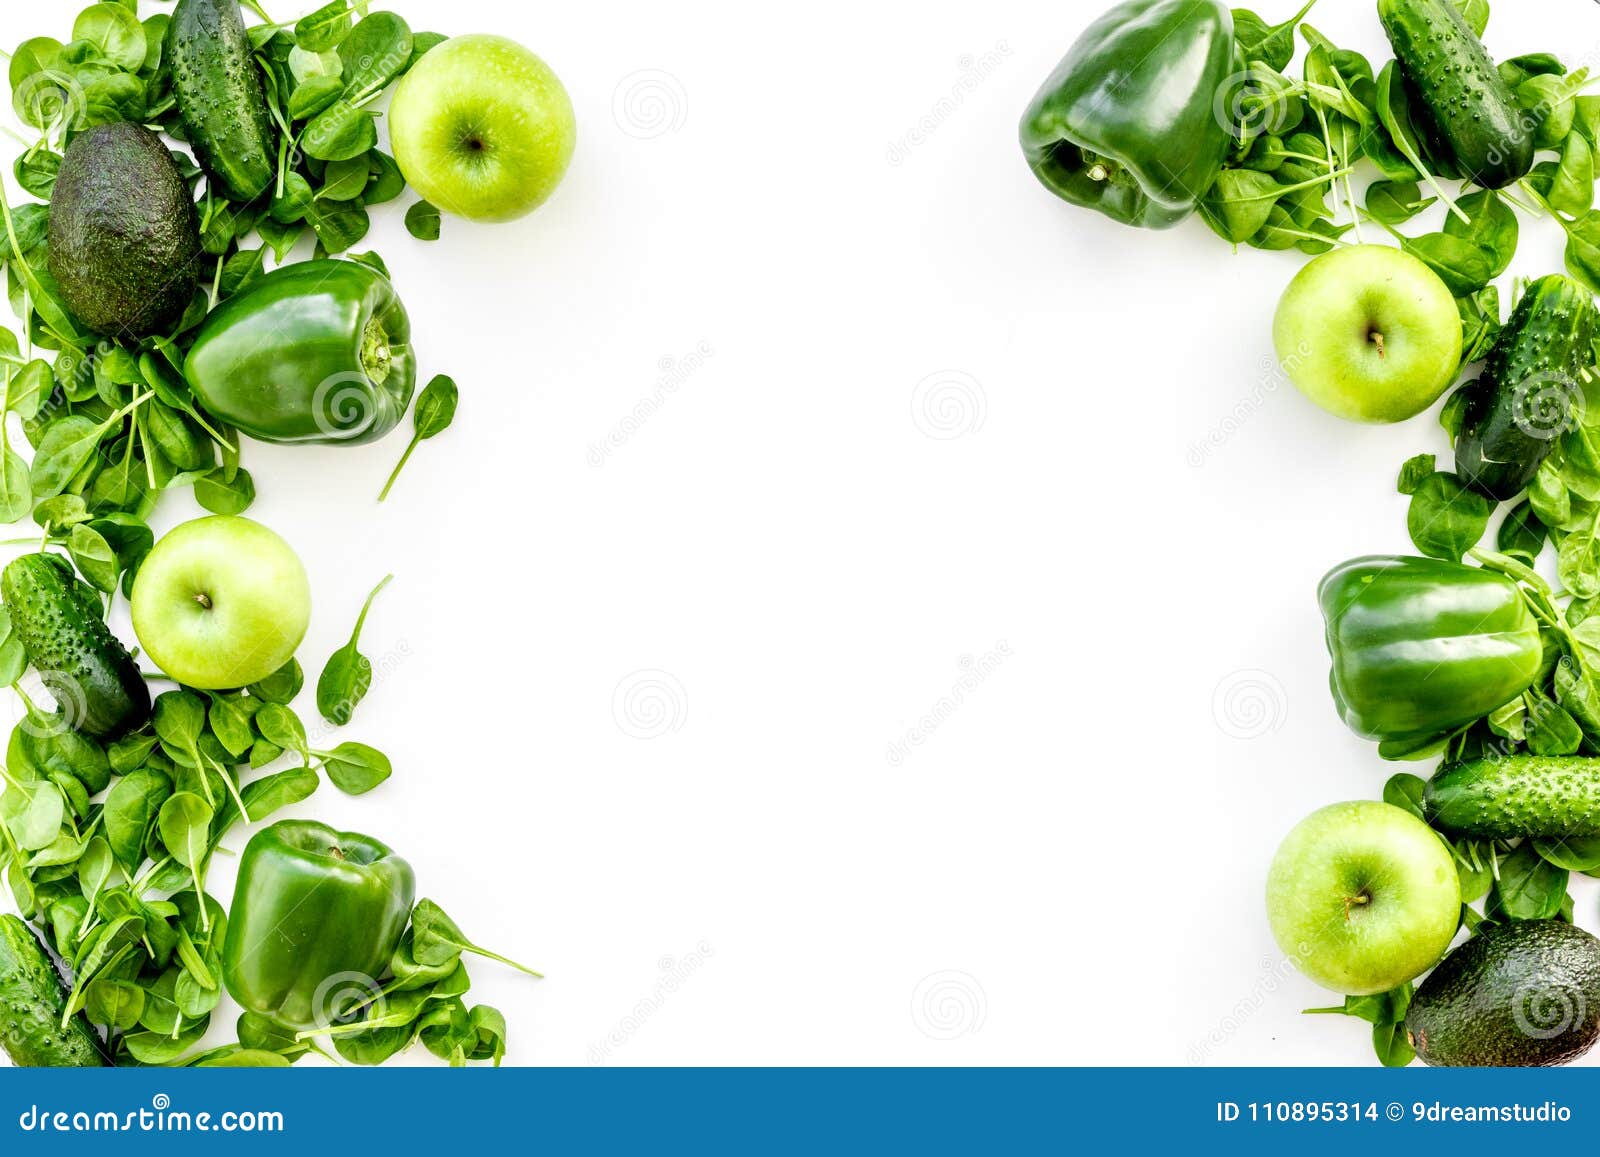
<point>1349,900</point>
<point>1376,337</point>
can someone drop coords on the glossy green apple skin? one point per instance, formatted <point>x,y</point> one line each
<point>482,128</point>
<point>1326,325</point>
<point>258,595</point>
<point>1363,897</point>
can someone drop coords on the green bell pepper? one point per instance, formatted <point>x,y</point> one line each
<point>316,916</point>
<point>313,352</point>
<point>1422,647</point>
<point>1128,122</point>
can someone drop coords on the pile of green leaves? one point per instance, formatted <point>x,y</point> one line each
<point>111,424</point>
<point>1299,141</point>
<point>108,846</point>
<point>1558,715</point>
<point>419,1000</point>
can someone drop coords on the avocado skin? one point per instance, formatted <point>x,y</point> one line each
<point>1525,994</point>
<point>124,234</point>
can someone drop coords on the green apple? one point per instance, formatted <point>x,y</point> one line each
<point>482,128</point>
<point>1369,333</point>
<point>1363,897</point>
<point>221,602</point>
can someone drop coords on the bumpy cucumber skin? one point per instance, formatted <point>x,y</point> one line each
<point>31,1003</point>
<point>220,96</point>
<point>1474,113</point>
<point>93,677</point>
<point>1525,994</point>
<point>1517,410</point>
<point>1520,796</point>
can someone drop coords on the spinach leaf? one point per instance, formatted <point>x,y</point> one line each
<point>1493,228</point>
<point>356,768</point>
<point>185,826</point>
<point>437,939</point>
<point>1446,519</point>
<point>1272,43</point>
<point>422,220</point>
<point>1415,472</point>
<point>324,28</point>
<point>377,50</point>
<point>347,677</point>
<point>1528,887</point>
<point>281,686</point>
<point>432,415</point>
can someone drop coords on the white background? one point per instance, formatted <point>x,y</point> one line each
<point>917,412</point>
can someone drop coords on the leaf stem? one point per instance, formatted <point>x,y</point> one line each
<point>416,440</point>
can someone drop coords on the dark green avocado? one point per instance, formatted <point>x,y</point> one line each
<point>124,234</point>
<point>1526,993</point>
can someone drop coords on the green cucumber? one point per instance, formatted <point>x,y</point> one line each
<point>1545,797</point>
<point>1513,416</point>
<point>220,97</point>
<point>57,618</point>
<point>32,1004</point>
<point>1473,112</point>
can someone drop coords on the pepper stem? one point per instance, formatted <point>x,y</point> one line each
<point>376,356</point>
